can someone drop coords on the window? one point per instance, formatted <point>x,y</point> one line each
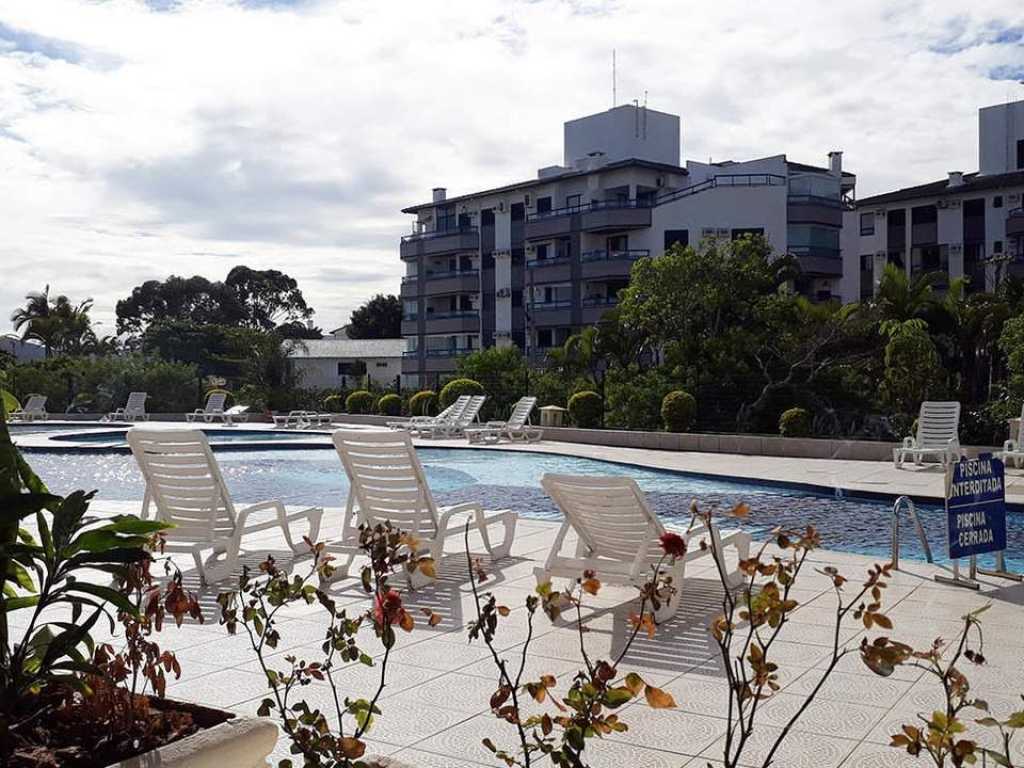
<point>517,298</point>
<point>1020,153</point>
<point>867,224</point>
<point>997,201</point>
<point>542,252</point>
<point>867,262</point>
<point>673,236</point>
<point>380,364</point>
<point>997,246</point>
<point>518,212</point>
<point>487,217</point>
<point>445,218</point>
<point>544,338</point>
<point>617,243</point>
<point>543,205</point>
<point>572,201</point>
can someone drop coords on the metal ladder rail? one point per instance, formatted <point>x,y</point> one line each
<point>906,501</point>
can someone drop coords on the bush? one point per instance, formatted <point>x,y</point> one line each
<point>795,422</point>
<point>359,401</point>
<point>634,397</point>
<point>334,403</point>
<point>389,405</point>
<point>677,411</point>
<point>586,409</point>
<point>503,372</point>
<point>456,388</point>
<point>423,403</point>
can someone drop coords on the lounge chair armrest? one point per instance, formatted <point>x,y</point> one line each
<point>909,442</point>
<point>459,509</point>
<point>1009,446</point>
<point>262,506</point>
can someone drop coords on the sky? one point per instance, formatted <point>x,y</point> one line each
<point>140,139</point>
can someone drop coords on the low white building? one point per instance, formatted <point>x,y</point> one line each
<point>21,350</point>
<point>345,363</point>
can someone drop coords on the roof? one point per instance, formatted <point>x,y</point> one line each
<point>350,348</point>
<point>540,182</point>
<point>973,182</point>
<point>814,169</point>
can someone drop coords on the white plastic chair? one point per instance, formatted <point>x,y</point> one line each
<point>34,409</point>
<point>214,408</point>
<point>617,536</point>
<point>516,427</point>
<point>1013,449</point>
<point>938,434</point>
<point>415,423</point>
<point>184,482</point>
<point>134,409</point>
<point>388,485</point>
<point>456,425</point>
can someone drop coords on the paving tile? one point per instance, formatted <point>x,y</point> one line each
<point>799,750</point>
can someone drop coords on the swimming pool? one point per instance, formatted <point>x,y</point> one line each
<point>512,480</point>
<point>215,436</point>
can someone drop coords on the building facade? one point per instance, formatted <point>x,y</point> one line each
<point>966,225</point>
<point>529,263</point>
<point>341,363</point>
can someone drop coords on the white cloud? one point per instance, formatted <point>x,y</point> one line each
<point>137,140</point>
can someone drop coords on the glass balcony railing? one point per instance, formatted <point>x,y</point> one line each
<point>459,314</point>
<point>631,254</point>
<point>543,306</point>
<point>449,352</point>
<point>600,301</point>
<point>549,261</point>
<point>595,205</point>
<point>430,234</point>
<point>452,273</point>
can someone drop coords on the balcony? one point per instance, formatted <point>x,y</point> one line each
<point>410,325</point>
<point>818,261</point>
<point>410,286</point>
<point>558,222</point>
<point>438,242</point>
<point>1015,223</point>
<point>595,307</point>
<point>812,209</point>
<point>550,270</point>
<point>616,215</point>
<point>552,312</point>
<point>602,263</point>
<point>467,321</point>
<point>458,281</point>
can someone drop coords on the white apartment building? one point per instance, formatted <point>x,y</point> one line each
<point>531,262</point>
<point>966,225</point>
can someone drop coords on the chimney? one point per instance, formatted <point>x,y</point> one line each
<point>440,193</point>
<point>956,179</point>
<point>835,163</point>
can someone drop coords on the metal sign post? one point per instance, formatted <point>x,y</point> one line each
<point>975,517</point>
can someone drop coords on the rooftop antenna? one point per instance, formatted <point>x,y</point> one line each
<point>615,95</point>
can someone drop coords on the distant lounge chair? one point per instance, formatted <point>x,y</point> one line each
<point>214,408</point>
<point>516,427</point>
<point>937,434</point>
<point>33,410</point>
<point>184,481</point>
<point>456,425</point>
<point>133,410</point>
<point>1013,449</point>
<point>416,423</point>
<point>618,535</point>
<point>388,484</point>
<point>302,419</point>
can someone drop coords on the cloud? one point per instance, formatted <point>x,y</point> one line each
<point>141,138</point>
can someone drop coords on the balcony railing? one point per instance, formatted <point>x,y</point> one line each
<point>595,205</point>
<point>600,301</point>
<point>725,180</point>
<point>410,279</point>
<point>461,314</point>
<point>828,202</point>
<point>410,317</point>
<point>543,306</point>
<point>449,352</point>
<point>631,254</point>
<point>548,262</point>
<point>430,234</point>
<point>453,273</point>
<point>411,353</point>
<point>1016,213</point>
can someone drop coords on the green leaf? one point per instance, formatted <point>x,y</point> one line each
<point>1015,720</point>
<point>106,594</point>
<point>130,524</point>
<point>44,534</point>
<point>19,506</point>
<point>20,576</point>
<point>103,540</point>
<point>17,603</point>
<point>616,697</point>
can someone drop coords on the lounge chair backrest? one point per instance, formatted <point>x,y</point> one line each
<point>387,480</point>
<point>237,410</point>
<point>215,402</point>
<point>938,423</point>
<point>521,412</point>
<point>472,410</point>
<point>454,411</point>
<point>35,404</point>
<point>184,481</point>
<point>609,514</point>
<point>136,403</point>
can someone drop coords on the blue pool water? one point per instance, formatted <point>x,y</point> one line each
<point>213,435</point>
<point>512,480</point>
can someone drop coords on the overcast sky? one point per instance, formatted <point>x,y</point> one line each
<point>140,139</point>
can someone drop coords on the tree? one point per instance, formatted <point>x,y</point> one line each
<point>378,318</point>
<point>902,298</point>
<point>266,298</point>
<point>912,369</point>
<point>503,373</point>
<point>58,324</point>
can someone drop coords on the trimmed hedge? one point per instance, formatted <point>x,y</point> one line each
<point>423,403</point>
<point>334,403</point>
<point>796,422</point>
<point>390,405</point>
<point>677,411</point>
<point>456,388</point>
<point>359,401</point>
<point>586,409</point>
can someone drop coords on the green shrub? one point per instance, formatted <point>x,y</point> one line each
<point>334,403</point>
<point>795,422</point>
<point>359,401</point>
<point>423,403</point>
<point>586,409</point>
<point>633,397</point>
<point>456,388</point>
<point>677,411</point>
<point>10,401</point>
<point>257,398</point>
<point>390,405</point>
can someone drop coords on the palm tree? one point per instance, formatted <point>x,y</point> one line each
<point>60,325</point>
<point>29,317</point>
<point>902,298</point>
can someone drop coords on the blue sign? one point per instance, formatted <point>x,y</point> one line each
<point>976,507</point>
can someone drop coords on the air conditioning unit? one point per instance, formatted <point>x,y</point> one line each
<point>503,293</point>
<point>954,203</point>
<point>956,248</point>
<point>706,232</point>
<point>501,206</point>
<point>880,212</point>
<point>527,200</point>
<point>723,233</point>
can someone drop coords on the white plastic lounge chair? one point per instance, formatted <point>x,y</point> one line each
<point>184,482</point>
<point>388,484</point>
<point>295,419</point>
<point>517,427</point>
<point>214,408</point>
<point>236,413</point>
<point>618,534</point>
<point>455,426</point>
<point>414,424</point>
<point>937,434</point>
<point>133,410</point>
<point>1013,449</point>
<point>33,410</point>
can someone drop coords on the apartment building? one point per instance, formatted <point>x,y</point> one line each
<point>966,225</point>
<point>531,262</point>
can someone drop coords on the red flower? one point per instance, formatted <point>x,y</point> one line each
<point>673,544</point>
<point>388,609</point>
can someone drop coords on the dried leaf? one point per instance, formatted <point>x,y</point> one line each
<point>658,699</point>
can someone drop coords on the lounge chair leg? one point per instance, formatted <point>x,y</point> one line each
<point>508,522</point>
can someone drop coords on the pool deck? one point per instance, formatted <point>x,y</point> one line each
<point>435,708</point>
<point>872,478</point>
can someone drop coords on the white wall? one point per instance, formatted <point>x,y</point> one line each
<point>322,372</point>
<point>622,133</point>
<point>1000,127</point>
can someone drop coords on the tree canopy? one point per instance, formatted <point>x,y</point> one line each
<point>378,318</point>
